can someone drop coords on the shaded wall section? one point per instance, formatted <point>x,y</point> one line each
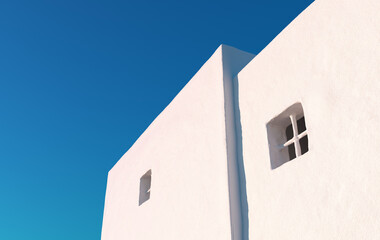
<point>233,61</point>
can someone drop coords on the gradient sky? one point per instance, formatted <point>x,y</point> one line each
<point>81,80</point>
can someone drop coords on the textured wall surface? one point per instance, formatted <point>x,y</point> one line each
<point>208,151</point>
<point>186,149</point>
<point>328,59</point>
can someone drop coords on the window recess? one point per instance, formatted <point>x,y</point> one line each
<point>145,184</point>
<point>287,136</point>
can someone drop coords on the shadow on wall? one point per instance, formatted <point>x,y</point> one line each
<point>240,162</point>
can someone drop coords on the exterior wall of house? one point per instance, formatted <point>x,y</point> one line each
<point>211,150</point>
<point>328,59</point>
<point>186,150</point>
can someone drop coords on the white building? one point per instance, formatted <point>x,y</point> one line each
<point>285,145</point>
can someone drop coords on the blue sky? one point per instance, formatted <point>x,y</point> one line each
<point>81,80</point>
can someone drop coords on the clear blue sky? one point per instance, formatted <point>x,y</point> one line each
<point>81,80</point>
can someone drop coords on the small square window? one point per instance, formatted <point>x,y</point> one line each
<point>145,184</point>
<point>287,136</point>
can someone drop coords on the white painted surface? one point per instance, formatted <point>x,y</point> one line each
<point>329,60</point>
<point>185,147</point>
<point>233,61</point>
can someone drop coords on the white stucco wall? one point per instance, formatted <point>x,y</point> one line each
<point>329,60</point>
<point>186,149</point>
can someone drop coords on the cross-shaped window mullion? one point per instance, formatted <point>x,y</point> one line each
<point>296,137</point>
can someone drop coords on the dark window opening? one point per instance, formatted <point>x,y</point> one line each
<point>289,132</point>
<point>301,125</point>
<point>292,151</point>
<point>304,143</point>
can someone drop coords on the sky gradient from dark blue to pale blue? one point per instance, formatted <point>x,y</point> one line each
<point>81,80</point>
